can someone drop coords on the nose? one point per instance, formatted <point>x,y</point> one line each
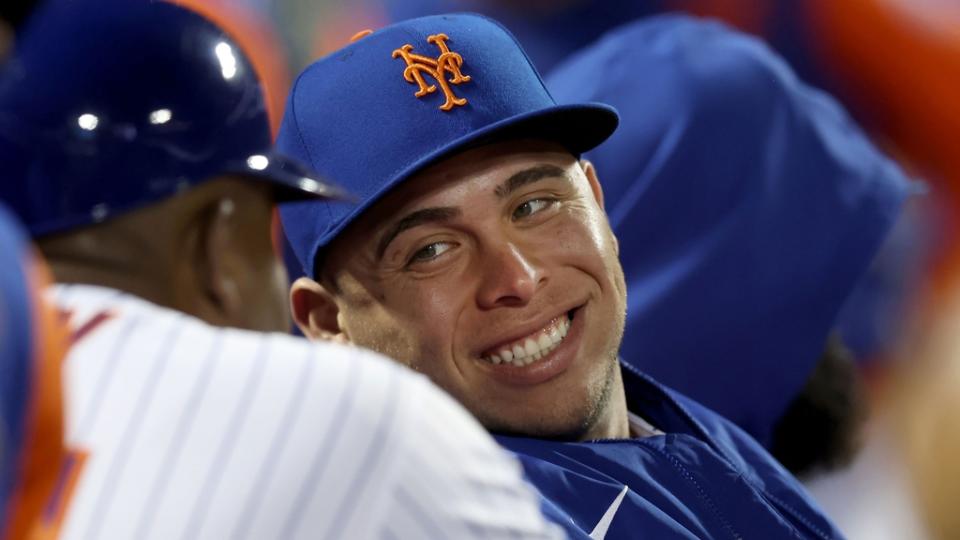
<point>510,277</point>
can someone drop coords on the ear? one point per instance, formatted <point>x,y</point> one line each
<point>591,173</point>
<point>315,311</point>
<point>217,267</point>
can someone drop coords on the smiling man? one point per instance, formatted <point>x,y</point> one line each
<point>478,252</point>
<point>492,272</point>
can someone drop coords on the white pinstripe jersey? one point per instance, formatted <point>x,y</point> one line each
<point>182,430</point>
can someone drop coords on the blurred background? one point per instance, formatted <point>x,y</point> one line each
<point>895,65</point>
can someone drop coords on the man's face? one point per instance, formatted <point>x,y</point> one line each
<point>495,273</point>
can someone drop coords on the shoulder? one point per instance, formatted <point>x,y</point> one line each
<point>201,430</point>
<point>758,466</point>
<point>127,332</point>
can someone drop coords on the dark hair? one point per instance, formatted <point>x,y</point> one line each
<point>322,277</point>
<point>820,431</point>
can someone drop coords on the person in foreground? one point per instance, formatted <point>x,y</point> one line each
<point>32,347</point>
<point>480,254</point>
<point>136,149</point>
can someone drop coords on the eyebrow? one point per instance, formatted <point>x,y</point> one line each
<point>415,219</point>
<point>444,214</point>
<point>528,176</point>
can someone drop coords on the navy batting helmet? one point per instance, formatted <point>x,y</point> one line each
<point>110,107</point>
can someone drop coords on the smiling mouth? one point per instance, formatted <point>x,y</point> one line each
<point>533,347</point>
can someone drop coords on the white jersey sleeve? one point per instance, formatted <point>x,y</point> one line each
<point>181,430</point>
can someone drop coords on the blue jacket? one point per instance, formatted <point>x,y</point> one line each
<point>705,478</point>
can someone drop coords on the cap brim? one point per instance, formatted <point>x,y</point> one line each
<point>577,127</point>
<point>292,180</point>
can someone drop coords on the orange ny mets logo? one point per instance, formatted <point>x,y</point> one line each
<point>447,63</point>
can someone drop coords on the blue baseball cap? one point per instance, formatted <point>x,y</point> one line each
<point>110,107</point>
<point>747,205</point>
<point>400,99</point>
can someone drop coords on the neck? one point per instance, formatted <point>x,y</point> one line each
<point>123,256</point>
<point>120,277</point>
<point>613,421</point>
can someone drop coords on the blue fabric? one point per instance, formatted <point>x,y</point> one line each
<point>16,350</point>
<point>705,478</point>
<point>131,102</point>
<point>353,117</point>
<point>747,205</point>
<point>872,317</point>
<point>548,38</point>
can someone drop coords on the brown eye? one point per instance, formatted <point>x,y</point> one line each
<point>531,207</point>
<point>430,252</point>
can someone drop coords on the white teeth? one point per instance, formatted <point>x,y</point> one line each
<point>533,348</point>
<point>554,336</point>
<point>530,346</point>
